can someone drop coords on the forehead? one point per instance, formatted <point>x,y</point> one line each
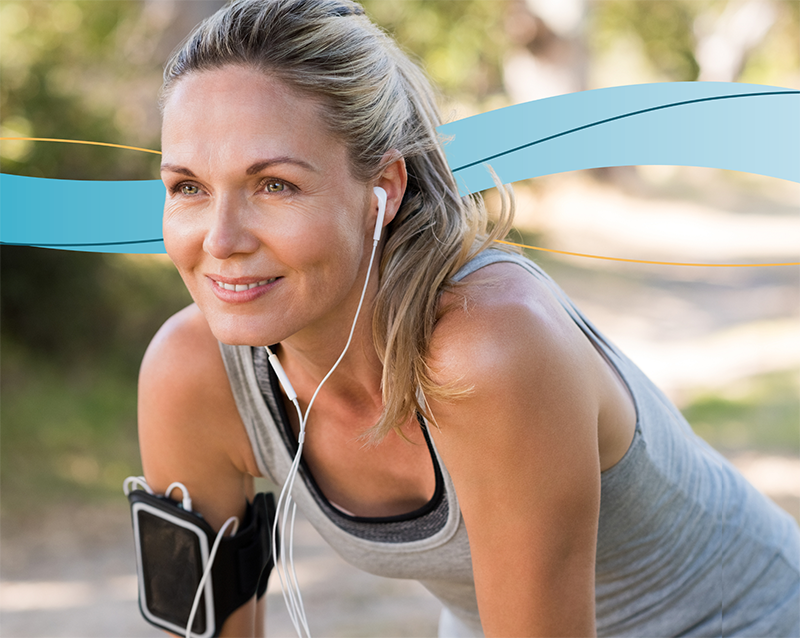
<point>237,111</point>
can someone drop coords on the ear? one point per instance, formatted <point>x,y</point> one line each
<point>392,179</point>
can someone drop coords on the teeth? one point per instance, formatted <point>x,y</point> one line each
<point>241,287</point>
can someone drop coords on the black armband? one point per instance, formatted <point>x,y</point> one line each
<point>172,552</point>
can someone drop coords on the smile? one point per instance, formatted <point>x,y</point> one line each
<point>241,287</point>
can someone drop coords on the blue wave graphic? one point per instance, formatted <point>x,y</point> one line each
<point>94,216</point>
<point>741,127</point>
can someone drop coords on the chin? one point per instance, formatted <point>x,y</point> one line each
<point>239,332</point>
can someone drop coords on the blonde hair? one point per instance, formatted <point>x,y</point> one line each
<point>376,100</point>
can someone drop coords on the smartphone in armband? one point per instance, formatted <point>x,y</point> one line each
<point>172,553</point>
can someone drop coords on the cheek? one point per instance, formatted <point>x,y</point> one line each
<point>331,237</point>
<point>181,243</point>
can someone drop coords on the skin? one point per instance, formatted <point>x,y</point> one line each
<point>260,192</point>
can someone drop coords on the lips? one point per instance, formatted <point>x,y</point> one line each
<point>237,290</point>
<point>243,287</point>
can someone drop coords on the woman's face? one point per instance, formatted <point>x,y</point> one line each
<point>263,219</point>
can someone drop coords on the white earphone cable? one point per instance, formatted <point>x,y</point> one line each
<point>286,572</point>
<point>233,520</point>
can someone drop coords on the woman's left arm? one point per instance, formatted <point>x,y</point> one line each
<point>522,450</point>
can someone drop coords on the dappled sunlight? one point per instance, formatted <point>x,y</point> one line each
<point>776,476</point>
<point>686,327</point>
<point>43,595</point>
<point>598,218</point>
<point>719,358</point>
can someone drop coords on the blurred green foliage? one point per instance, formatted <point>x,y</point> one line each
<point>68,432</point>
<point>73,307</point>
<point>758,413</point>
<point>62,65</point>
<point>74,329</point>
<point>461,44</point>
<point>664,27</point>
<point>74,325</point>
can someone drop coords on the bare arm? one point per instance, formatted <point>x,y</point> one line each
<point>522,451</point>
<point>190,431</point>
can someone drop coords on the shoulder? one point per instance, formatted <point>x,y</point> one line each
<point>502,322</point>
<point>189,426</point>
<point>182,364</point>
<point>181,334</point>
<point>523,374</point>
<point>527,392</point>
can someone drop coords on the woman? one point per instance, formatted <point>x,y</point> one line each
<point>518,465</point>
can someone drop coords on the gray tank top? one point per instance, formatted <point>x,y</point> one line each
<point>686,546</point>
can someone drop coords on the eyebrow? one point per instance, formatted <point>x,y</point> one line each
<point>174,168</point>
<point>260,166</point>
<point>253,169</point>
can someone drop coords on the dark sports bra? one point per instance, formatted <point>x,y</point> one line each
<point>402,528</point>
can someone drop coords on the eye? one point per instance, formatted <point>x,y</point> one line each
<point>188,189</point>
<point>274,186</point>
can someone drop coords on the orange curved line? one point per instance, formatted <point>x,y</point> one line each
<point>501,241</point>
<point>52,139</point>
<point>643,261</point>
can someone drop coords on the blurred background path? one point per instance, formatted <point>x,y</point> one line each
<point>71,574</point>
<point>58,582</point>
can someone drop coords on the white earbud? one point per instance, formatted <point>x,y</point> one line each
<point>278,368</point>
<point>381,195</point>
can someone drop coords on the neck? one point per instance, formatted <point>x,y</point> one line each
<point>309,355</point>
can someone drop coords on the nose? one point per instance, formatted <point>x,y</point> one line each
<point>228,233</point>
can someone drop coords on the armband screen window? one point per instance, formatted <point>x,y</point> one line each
<point>172,554</point>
